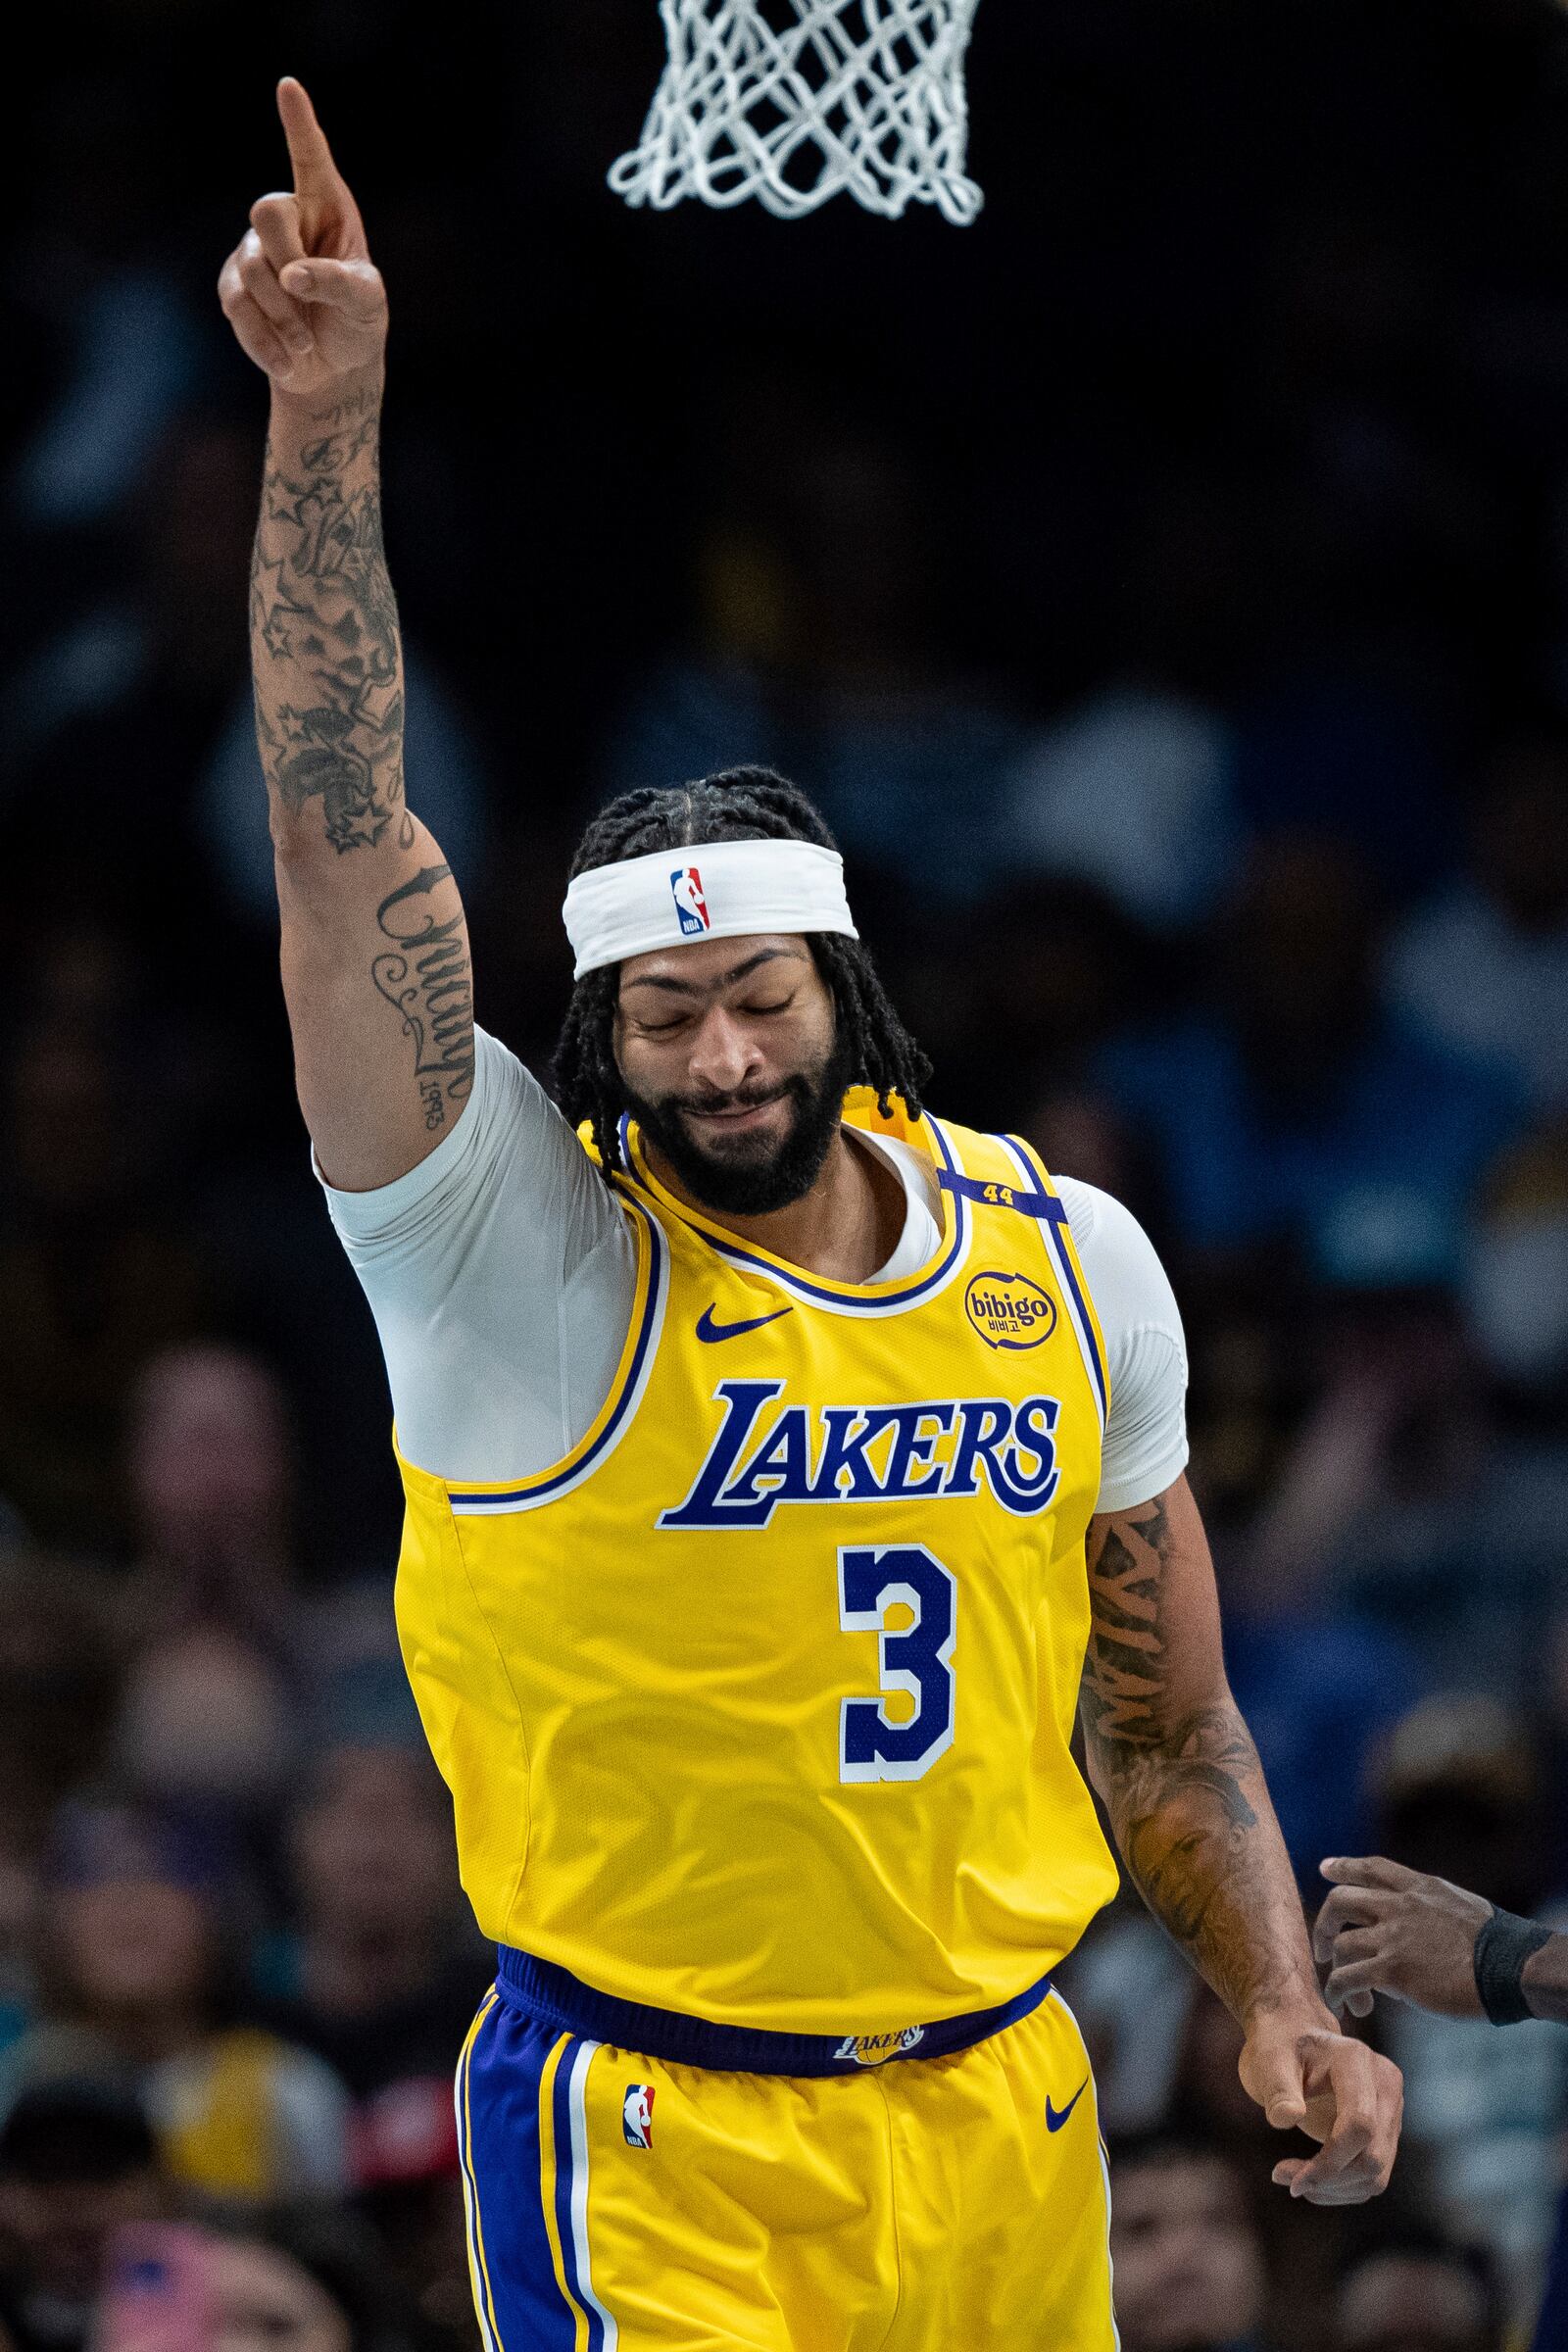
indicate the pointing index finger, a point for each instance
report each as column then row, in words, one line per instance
column 1367, row 1871
column 315, row 175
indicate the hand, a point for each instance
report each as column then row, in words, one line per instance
column 1385, row 1928
column 300, row 289
column 1339, row 2093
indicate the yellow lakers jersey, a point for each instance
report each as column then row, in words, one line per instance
column 757, row 1706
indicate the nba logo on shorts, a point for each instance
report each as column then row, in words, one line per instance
column 690, row 907
column 637, row 2114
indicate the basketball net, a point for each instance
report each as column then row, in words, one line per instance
column 791, row 100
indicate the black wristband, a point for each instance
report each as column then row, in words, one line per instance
column 1502, row 1948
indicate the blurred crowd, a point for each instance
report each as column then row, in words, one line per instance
column 1164, row 587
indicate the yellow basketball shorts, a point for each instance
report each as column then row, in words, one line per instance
column 619, row 2202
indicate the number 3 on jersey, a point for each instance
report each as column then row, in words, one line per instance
column 873, row 1581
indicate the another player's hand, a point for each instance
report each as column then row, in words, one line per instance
column 1336, row 2090
column 1385, row 1928
column 300, row 289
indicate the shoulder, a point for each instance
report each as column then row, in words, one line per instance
column 1127, row 1280
column 1146, row 1349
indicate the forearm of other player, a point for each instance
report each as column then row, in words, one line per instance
column 1386, row 1929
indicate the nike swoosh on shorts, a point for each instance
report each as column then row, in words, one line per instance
column 1055, row 2117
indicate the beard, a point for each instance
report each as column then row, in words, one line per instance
column 751, row 1175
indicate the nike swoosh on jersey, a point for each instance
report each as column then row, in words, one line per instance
column 709, row 1331
column 1055, row 2117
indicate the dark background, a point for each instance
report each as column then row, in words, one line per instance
column 1163, row 584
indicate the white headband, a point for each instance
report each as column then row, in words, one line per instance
column 709, row 890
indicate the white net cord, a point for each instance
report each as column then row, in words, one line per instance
column 791, row 100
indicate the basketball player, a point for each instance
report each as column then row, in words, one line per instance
column 754, row 1437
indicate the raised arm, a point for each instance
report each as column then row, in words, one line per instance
column 1176, row 1768
column 374, row 943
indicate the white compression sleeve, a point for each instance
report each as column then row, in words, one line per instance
column 1146, row 1352
column 500, row 1274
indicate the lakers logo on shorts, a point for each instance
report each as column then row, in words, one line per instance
column 875, row 2049
column 1009, row 1312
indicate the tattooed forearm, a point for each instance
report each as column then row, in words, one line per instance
column 1181, row 1783
column 426, row 974
column 1188, row 1826
column 326, row 655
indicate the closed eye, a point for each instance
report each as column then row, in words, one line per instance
column 682, row 1019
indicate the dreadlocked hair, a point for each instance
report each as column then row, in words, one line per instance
column 738, row 804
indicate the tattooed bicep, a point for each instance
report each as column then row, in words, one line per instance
column 1154, row 1629
column 1124, row 1669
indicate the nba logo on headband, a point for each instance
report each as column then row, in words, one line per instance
column 690, row 907
column 636, row 905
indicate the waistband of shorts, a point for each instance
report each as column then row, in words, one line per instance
column 558, row 1998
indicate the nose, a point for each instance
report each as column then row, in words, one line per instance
column 724, row 1053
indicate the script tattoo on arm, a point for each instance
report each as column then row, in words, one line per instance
column 1175, row 1763
column 325, row 656
column 426, row 974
